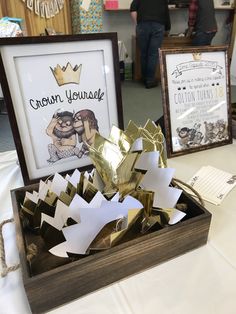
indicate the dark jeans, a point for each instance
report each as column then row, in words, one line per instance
column 150, row 36
column 202, row 38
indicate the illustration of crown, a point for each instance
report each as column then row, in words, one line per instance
column 67, row 74
column 197, row 56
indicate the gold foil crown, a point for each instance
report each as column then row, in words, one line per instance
column 67, row 74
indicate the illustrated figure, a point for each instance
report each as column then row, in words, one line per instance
column 197, row 139
column 210, row 132
column 190, row 137
column 222, row 130
column 184, row 136
column 62, row 132
column 86, row 126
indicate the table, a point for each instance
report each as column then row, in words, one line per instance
column 200, row 282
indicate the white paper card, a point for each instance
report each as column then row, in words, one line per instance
column 212, row 184
column 59, row 184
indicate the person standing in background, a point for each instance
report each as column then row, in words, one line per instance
column 152, row 19
column 202, row 22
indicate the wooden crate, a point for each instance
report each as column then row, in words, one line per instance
column 51, row 281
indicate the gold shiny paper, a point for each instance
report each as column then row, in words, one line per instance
column 146, row 198
column 133, row 215
column 152, row 137
column 103, row 239
column 128, row 179
column 115, row 163
column 132, row 131
column 115, row 171
column 65, row 198
column 89, row 191
column 32, row 211
column 113, row 160
column 70, row 190
column 120, row 139
column 50, row 198
column 106, row 157
column 149, row 222
column 80, row 185
column 28, row 206
column 165, row 214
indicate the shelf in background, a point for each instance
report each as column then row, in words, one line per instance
column 172, row 8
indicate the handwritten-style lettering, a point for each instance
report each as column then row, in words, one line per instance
column 75, row 95
column 45, row 101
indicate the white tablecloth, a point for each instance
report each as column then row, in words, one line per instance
column 200, row 282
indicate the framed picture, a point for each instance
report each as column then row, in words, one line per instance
column 196, row 98
column 60, row 91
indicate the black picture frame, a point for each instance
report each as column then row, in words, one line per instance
column 196, row 98
column 29, row 68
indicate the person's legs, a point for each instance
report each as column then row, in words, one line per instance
column 156, row 38
column 202, row 38
column 143, row 34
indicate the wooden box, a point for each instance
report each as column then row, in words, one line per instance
column 50, row 281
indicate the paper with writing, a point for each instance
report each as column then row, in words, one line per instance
column 212, row 184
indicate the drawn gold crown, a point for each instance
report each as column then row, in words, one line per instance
column 67, row 74
column 197, row 56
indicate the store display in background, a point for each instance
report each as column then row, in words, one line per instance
column 9, row 27
column 86, row 16
column 128, row 69
column 111, row 5
column 126, row 63
column 45, row 9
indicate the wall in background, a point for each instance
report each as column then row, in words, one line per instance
column 120, row 22
column 113, row 21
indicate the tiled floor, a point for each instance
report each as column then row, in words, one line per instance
column 139, row 104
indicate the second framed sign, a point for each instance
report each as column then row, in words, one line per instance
column 196, row 98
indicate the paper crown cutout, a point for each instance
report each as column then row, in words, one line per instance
column 67, row 74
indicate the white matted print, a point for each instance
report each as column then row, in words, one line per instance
column 62, row 93
column 196, row 99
